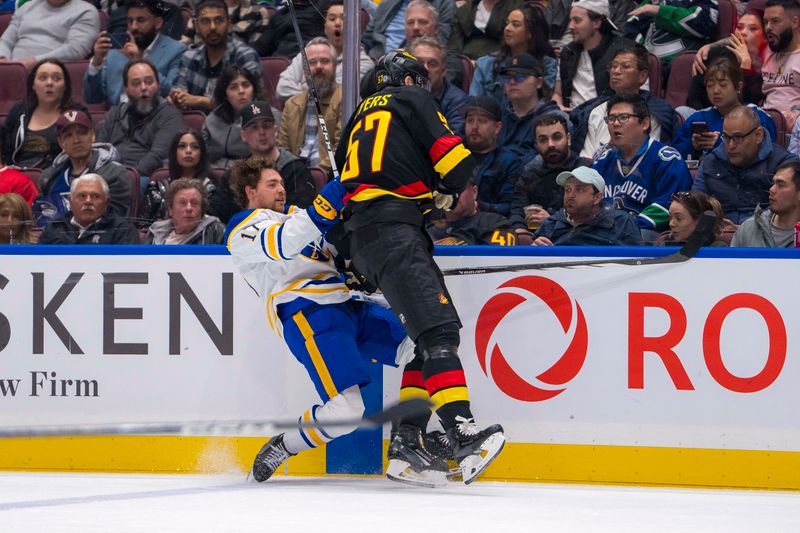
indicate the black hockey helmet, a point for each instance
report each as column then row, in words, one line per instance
column 393, row 68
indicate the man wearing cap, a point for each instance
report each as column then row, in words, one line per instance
column 142, row 128
column 641, row 173
column 585, row 220
column 584, row 62
column 103, row 79
column 670, row 27
column 259, row 132
column 81, row 155
column 528, row 97
column 536, row 193
column 497, row 166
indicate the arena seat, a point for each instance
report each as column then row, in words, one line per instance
column 271, row 68
column 728, row 17
column 781, row 133
column 5, row 20
column 680, row 79
column 12, row 85
column 467, row 71
column 194, row 118
column 320, row 177
column 35, row 174
column 656, row 84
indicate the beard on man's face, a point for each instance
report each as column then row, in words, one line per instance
column 783, row 42
column 146, row 105
column 143, row 40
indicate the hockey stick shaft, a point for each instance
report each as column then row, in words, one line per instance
column 312, row 90
column 215, row 427
column 703, row 230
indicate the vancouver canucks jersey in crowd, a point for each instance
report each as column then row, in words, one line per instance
column 646, row 183
column 285, row 260
column 679, row 25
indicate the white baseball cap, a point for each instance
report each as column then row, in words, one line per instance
column 586, row 175
column 596, row 6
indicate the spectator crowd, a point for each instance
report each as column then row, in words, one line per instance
column 592, row 122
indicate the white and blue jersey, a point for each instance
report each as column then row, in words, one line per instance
column 646, row 183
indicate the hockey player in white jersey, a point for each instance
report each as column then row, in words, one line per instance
column 286, row 261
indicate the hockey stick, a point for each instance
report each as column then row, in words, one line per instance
column 703, row 230
column 408, row 408
column 312, row 90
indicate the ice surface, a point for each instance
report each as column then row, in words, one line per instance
column 45, row 502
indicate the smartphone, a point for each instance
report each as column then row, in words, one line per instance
column 118, row 40
column 699, row 127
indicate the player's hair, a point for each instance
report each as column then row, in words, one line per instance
column 635, row 100
column 549, row 119
column 638, row 51
column 426, row 5
column 211, row 4
column 794, row 166
column 787, row 5
column 432, row 42
column 224, row 109
column 21, row 211
column 89, row 178
column 138, row 62
column 247, row 172
column 722, row 69
column 175, row 186
column 203, row 169
column 697, row 203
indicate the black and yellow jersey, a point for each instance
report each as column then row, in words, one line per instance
column 398, row 144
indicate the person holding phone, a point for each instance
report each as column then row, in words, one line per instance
column 143, row 40
column 700, row 132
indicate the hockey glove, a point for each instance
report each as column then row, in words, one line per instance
column 443, row 201
column 324, row 211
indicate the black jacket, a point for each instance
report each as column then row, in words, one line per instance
column 537, row 185
column 110, row 229
column 601, row 57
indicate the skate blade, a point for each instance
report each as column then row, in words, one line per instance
column 473, row 466
column 454, row 474
column 402, row 472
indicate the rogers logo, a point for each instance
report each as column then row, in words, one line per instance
column 562, row 371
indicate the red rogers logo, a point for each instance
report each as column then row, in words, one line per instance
column 567, row 366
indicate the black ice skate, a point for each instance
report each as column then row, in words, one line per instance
column 410, row 462
column 475, row 449
column 268, row 459
column 439, row 445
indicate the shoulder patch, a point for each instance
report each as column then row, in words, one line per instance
column 668, row 153
column 603, row 152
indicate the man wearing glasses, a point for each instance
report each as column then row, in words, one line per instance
column 739, row 171
column 641, row 173
column 200, row 67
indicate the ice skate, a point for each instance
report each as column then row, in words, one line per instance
column 269, row 458
column 439, row 445
column 475, row 449
column 410, row 462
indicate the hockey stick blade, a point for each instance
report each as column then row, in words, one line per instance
column 398, row 411
column 213, row 427
column 701, row 234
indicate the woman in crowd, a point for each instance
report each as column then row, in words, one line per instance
column 685, row 211
column 188, row 158
column 747, row 47
column 16, row 220
column 187, row 221
column 29, row 133
column 236, row 88
column 478, row 26
column 700, row 132
column 525, row 32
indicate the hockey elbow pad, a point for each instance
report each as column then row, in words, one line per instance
column 324, row 211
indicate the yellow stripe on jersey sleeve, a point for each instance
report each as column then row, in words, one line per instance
column 452, row 158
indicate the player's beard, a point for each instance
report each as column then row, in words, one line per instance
column 784, row 40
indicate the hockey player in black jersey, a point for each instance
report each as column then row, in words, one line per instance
column 398, row 158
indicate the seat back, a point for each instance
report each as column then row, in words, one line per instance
column 12, row 85
column 34, row 174
column 320, row 177
column 77, row 68
column 160, row 174
column 363, row 20
column 271, row 68
column 194, row 118
column 136, row 192
column 728, row 17
column 656, row 85
column 467, row 71
column 680, row 79
column 5, row 20
column 781, row 133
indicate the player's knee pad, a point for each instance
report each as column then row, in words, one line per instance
column 344, row 406
column 440, row 342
